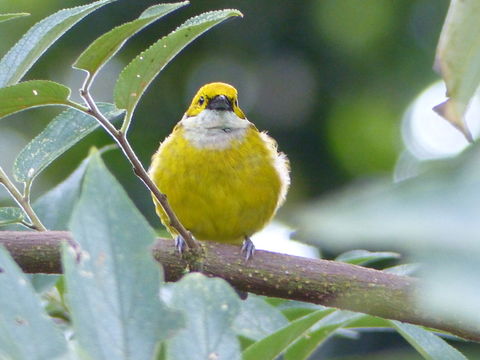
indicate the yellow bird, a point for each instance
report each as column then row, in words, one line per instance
column 223, row 178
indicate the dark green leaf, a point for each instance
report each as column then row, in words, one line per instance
column 210, row 307
column 55, row 207
column 429, row 345
column 363, row 257
column 113, row 290
column 368, row 321
column 26, row 332
column 6, row 17
column 296, row 313
column 107, row 45
column 137, row 76
column 293, row 309
column 61, row 134
column 276, row 301
column 30, row 94
column 10, row 215
column 21, row 57
column 161, row 352
column 258, row 319
column 306, row 345
column 273, row 345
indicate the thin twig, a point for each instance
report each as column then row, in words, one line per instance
column 23, row 201
column 28, row 225
column 138, row 168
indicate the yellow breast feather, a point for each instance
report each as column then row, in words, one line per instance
column 220, row 195
column 223, row 178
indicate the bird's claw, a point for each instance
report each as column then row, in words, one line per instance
column 180, row 244
column 248, row 249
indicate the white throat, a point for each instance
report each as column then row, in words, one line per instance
column 213, row 129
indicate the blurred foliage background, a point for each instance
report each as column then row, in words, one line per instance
column 328, row 79
column 331, row 81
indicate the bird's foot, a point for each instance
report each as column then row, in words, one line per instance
column 180, row 244
column 248, row 249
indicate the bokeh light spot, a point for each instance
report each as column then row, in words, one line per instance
column 277, row 237
column 427, row 135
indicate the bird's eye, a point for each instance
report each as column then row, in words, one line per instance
column 236, row 102
column 201, row 100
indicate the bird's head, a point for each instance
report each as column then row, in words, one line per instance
column 214, row 119
column 217, row 97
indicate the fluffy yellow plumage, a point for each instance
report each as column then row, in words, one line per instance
column 223, row 178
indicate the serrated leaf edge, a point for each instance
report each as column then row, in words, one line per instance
column 140, row 17
column 181, row 27
column 13, row 48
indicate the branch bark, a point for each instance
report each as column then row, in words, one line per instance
column 322, row 282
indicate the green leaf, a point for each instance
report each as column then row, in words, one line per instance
column 293, row 309
column 61, row 134
column 30, row 94
column 403, row 269
column 26, row 332
column 113, row 290
column 161, row 352
column 368, row 321
column 296, row 313
column 6, row 17
column 21, row 57
column 107, row 45
column 363, row 257
column 458, row 61
column 273, row 345
column 210, row 307
column 276, row 301
column 55, row 208
column 10, row 215
column 137, row 76
column 429, row 345
column 306, row 345
column 257, row 319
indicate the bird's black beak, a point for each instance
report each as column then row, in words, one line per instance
column 220, row 103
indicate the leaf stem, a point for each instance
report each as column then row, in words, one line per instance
column 23, row 201
column 126, row 123
column 28, row 225
column 120, row 137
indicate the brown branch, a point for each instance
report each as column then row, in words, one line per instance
column 322, row 282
